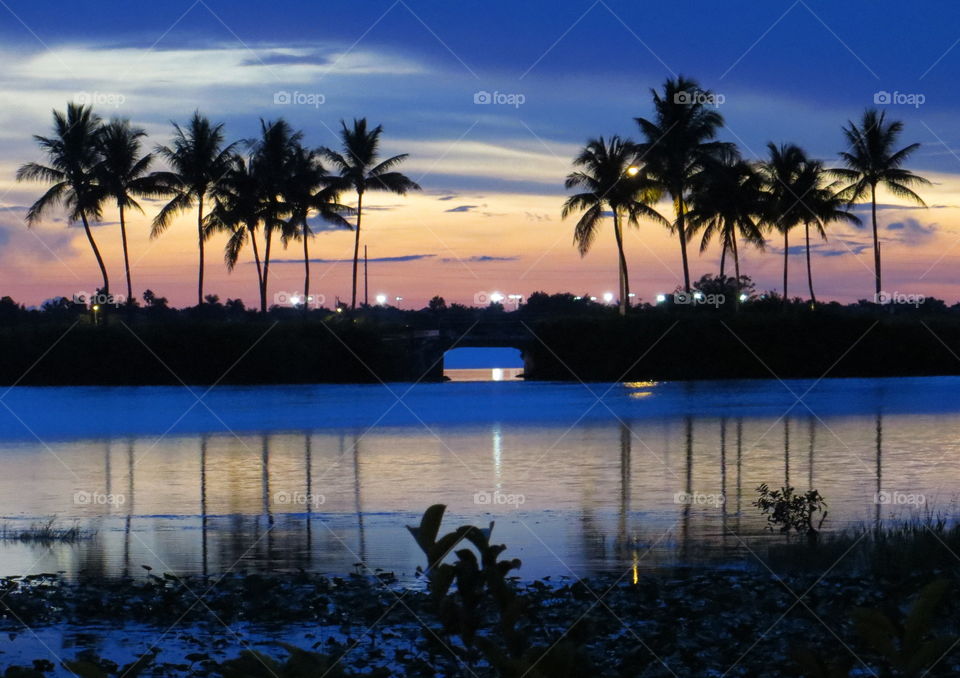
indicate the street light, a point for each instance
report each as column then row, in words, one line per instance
column 295, row 300
column 661, row 298
column 496, row 298
column 633, row 171
column 744, row 297
column 398, row 300
column 608, row 297
column 381, row 299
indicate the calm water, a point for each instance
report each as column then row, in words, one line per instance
column 578, row 479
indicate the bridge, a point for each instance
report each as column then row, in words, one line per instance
column 425, row 348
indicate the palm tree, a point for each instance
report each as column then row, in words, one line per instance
column 72, row 160
column 823, row 206
column 679, row 144
column 122, row 172
column 198, row 161
column 788, row 182
column 727, row 201
column 237, row 209
column 610, row 179
column 309, row 190
column 272, row 163
column 359, row 168
column 871, row 161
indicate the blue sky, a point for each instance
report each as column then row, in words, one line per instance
column 788, row 71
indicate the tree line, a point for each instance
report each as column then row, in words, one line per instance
column 255, row 190
column 715, row 193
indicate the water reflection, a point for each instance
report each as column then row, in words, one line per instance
column 597, row 496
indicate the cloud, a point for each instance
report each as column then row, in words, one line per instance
column 447, row 197
column 462, row 208
column 403, row 258
column 912, row 232
column 478, row 259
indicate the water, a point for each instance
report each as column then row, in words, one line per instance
column 579, row 479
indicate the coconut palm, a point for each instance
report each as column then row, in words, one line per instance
column 871, row 161
column 610, row 180
column 309, row 191
column 237, row 209
column 72, row 158
column 122, row 173
column 360, row 169
column 788, row 182
column 198, row 161
column 727, row 201
column 823, row 206
column 272, row 163
column 679, row 143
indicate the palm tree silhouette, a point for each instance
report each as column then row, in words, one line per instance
column 122, row 172
column 309, row 190
column 237, row 209
column 727, row 201
column 198, row 161
column 272, row 165
column 788, row 183
column 824, row 206
column 679, row 143
column 871, row 161
column 72, row 160
column 360, row 169
column 610, row 179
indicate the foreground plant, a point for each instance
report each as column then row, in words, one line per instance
column 786, row 510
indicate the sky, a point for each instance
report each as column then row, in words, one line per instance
column 488, row 217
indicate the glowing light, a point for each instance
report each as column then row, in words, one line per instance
column 294, row 300
column 661, row 298
column 497, row 374
column 381, row 299
column 608, row 297
column 743, row 297
column 633, row 170
column 96, row 307
column 496, row 297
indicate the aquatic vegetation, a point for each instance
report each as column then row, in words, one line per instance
column 787, row 510
column 45, row 533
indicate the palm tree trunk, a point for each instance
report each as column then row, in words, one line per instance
column 813, row 297
column 200, row 240
column 356, row 251
column 126, row 257
column 306, row 267
column 723, row 258
column 876, row 239
column 624, row 280
column 96, row 253
column 256, row 258
column 682, row 231
column 736, row 268
column 266, row 267
column 786, row 261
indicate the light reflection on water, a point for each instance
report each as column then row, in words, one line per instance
column 616, row 493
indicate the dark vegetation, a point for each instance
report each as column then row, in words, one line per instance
column 563, row 337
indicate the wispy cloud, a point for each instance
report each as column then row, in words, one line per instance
column 403, row 258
